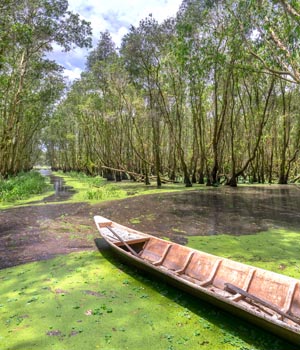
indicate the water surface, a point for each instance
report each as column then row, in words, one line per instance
column 243, row 210
column 62, row 191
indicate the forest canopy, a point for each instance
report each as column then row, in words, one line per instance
column 209, row 96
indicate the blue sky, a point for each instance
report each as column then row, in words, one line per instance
column 116, row 16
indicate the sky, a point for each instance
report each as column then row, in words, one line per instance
column 116, row 16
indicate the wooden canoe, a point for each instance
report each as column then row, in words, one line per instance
column 268, row 299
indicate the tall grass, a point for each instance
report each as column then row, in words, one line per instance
column 22, row 186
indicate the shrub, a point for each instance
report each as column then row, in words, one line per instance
column 22, row 186
column 105, row 192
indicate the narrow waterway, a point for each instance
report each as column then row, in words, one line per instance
column 62, row 191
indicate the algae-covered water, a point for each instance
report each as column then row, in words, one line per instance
column 92, row 301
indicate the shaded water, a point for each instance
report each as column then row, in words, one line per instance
column 243, row 210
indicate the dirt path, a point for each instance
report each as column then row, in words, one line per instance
column 39, row 232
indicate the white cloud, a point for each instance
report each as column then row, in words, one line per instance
column 117, row 37
column 116, row 16
column 73, row 73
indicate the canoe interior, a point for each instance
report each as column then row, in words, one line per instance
column 214, row 273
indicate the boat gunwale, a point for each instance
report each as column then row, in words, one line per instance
column 148, row 236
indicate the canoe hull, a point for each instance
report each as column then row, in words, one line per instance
column 182, row 267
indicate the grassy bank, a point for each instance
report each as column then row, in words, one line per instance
column 91, row 301
column 23, row 187
column 97, row 189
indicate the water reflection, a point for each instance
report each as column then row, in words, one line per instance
column 62, row 191
column 243, row 210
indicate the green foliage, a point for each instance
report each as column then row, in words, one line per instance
column 186, row 96
column 22, row 186
column 30, row 84
column 189, row 96
column 104, row 51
